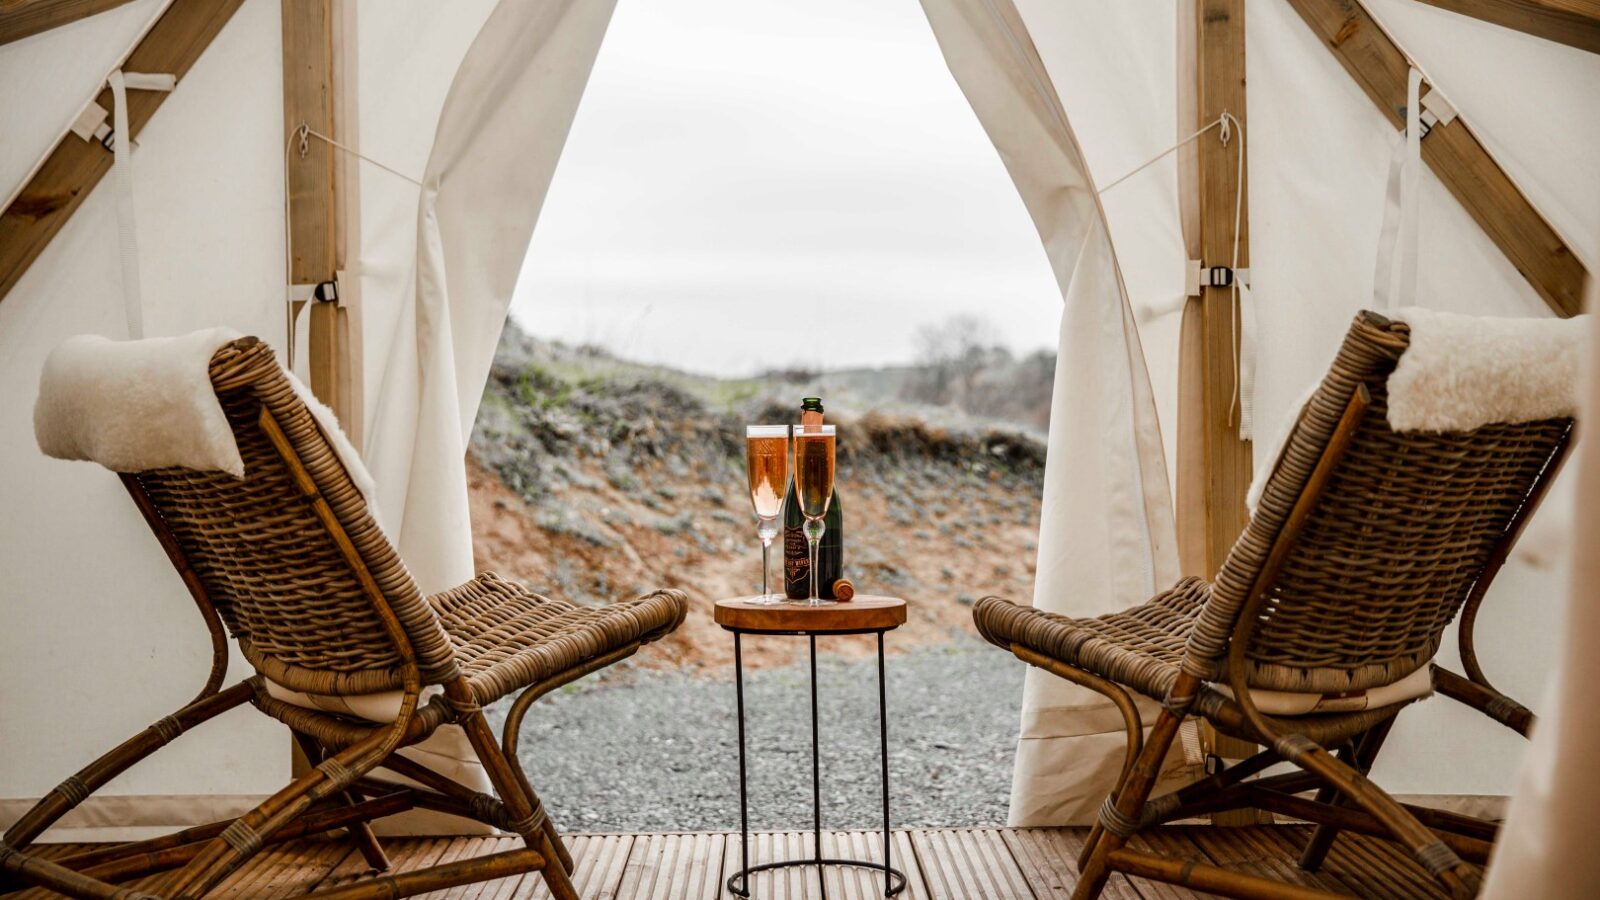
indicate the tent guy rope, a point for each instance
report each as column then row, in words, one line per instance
column 1242, row 314
column 299, row 140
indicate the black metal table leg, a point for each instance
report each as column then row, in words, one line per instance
column 816, row 770
column 883, row 743
column 744, row 805
column 738, row 883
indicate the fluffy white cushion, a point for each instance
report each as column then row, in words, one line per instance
column 132, row 406
column 136, row 405
column 1464, row 372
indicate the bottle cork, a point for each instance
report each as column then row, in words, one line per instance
column 843, row 589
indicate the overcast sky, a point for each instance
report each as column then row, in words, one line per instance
column 757, row 183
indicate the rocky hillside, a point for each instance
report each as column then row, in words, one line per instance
column 593, row 478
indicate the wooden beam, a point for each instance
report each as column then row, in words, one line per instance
column 1219, row 52
column 75, row 165
column 1575, row 23
column 308, row 101
column 25, row 18
column 1376, row 63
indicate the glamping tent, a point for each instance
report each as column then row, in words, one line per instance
column 1218, row 187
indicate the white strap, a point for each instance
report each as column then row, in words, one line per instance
column 122, row 174
column 1396, row 285
column 1247, row 356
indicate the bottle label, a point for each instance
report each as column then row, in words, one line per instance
column 796, row 557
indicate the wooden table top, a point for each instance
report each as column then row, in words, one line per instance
column 865, row 612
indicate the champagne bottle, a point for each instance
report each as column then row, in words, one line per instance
column 796, row 552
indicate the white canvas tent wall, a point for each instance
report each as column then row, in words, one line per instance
column 76, row 553
column 209, row 198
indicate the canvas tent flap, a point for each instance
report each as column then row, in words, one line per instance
column 499, row 137
column 1106, row 539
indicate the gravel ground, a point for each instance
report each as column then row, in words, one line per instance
column 659, row 751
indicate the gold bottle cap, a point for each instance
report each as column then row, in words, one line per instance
column 843, row 589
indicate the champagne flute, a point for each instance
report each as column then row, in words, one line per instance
column 767, row 459
column 813, row 486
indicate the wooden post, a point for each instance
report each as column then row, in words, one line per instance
column 315, row 233
column 1214, row 464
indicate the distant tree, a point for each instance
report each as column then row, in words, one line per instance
column 953, row 355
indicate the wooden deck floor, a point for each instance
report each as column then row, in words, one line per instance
column 941, row 864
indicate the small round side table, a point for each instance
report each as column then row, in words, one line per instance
column 866, row 614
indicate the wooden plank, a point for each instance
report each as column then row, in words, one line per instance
column 25, row 18
column 969, row 864
column 1172, row 842
column 1575, row 23
column 75, row 166
column 1261, row 851
column 673, row 867
column 1454, row 153
column 405, row 855
column 1048, row 858
column 458, row 849
column 500, row 888
column 1378, row 868
column 905, row 859
column 853, row 883
column 309, row 101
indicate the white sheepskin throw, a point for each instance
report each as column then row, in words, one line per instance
column 1464, row 372
column 136, row 405
column 346, row 451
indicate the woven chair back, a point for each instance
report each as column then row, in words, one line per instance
column 1400, row 535
column 277, row 575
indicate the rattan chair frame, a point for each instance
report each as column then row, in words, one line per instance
column 337, row 790
column 1332, row 753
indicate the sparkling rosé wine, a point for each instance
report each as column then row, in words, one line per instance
column 813, row 472
column 767, row 459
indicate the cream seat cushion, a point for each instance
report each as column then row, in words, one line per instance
column 447, row 752
column 1295, row 703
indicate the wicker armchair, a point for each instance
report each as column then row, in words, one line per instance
column 291, row 562
column 1365, row 545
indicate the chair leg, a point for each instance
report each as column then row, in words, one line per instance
column 244, row 838
column 1128, row 805
column 360, row 832
column 508, row 748
column 1365, row 753
column 528, row 816
column 1458, row 879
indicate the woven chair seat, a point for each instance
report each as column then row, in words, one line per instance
column 1140, row 647
column 508, row 637
column 1143, row 649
